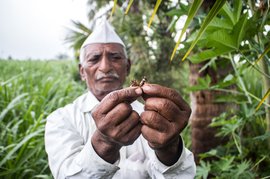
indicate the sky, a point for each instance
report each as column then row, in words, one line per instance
column 36, row 28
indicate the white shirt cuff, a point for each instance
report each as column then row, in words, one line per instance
column 91, row 162
column 164, row 168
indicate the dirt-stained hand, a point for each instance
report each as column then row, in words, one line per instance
column 117, row 124
column 166, row 115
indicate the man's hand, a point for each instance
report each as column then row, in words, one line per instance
column 117, row 124
column 166, row 115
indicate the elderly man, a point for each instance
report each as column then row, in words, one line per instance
column 107, row 133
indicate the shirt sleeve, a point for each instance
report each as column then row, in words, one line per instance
column 69, row 155
column 184, row 168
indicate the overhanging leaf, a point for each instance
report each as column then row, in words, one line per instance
column 178, row 12
column 263, row 99
column 114, row 7
column 77, row 35
column 208, row 54
column 240, row 29
column 129, row 5
column 175, row 12
column 154, row 13
column 223, row 39
column 264, row 53
column 227, row 13
column 218, row 23
column 237, row 4
column 80, row 27
column 213, row 12
column 193, row 10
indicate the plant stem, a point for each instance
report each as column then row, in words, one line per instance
column 238, row 145
column 266, row 87
column 242, row 84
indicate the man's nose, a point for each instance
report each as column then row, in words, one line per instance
column 105, row 64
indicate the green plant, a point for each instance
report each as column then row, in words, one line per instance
column 29, row 91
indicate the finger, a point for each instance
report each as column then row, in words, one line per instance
column 132, row 135
column 164, row 107
column 124, row 95
column 118, row 114
column 153, row 90
column 156, row 139
column 129, row 123
column 155, row 121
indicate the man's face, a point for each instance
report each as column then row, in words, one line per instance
column 104, row 68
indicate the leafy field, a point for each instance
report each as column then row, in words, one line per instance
column 29, row 92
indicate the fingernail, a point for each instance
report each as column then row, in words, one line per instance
column 138, row 91
column 146, row 87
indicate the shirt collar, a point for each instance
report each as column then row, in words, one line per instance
column 89, row 103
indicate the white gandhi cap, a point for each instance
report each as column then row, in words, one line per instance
column 103, row 33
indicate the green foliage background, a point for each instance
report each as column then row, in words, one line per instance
column 29, row 92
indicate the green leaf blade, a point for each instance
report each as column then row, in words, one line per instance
column 240, row 29
column 129, row 5
column 213, row 12
column 193, row 10
column 208, row 54
column 154, row 12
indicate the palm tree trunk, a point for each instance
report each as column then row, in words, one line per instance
column 204, row 109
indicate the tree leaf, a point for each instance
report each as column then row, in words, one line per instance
column 114, row 7
column 264, row 53
column 213, row 12
column 240, row 29
column 129, row 5
column 81, row 27
column 154, row 13
column 208, row 54
column 218, row 23
column 237, row 4
column 227, row 13
column 263, row 99
column 175, row 12
column 222, row 38
column 203, row 84
column 193, row 10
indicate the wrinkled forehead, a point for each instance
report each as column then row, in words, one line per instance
column 107, row 47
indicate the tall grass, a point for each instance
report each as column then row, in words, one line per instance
column 29, row 92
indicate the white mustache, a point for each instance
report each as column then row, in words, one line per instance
column 111, row 74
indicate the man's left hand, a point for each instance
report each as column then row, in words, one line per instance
column 166, row 115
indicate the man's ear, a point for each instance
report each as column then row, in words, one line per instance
column 81, row 70
column 128, row 66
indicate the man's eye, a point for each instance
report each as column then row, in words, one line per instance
column 93, row 59
column 116, row 57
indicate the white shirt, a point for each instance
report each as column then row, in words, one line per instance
column 71, row 155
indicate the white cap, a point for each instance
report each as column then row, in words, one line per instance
column 103, row 33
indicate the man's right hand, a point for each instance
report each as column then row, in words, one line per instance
column 117, row 124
